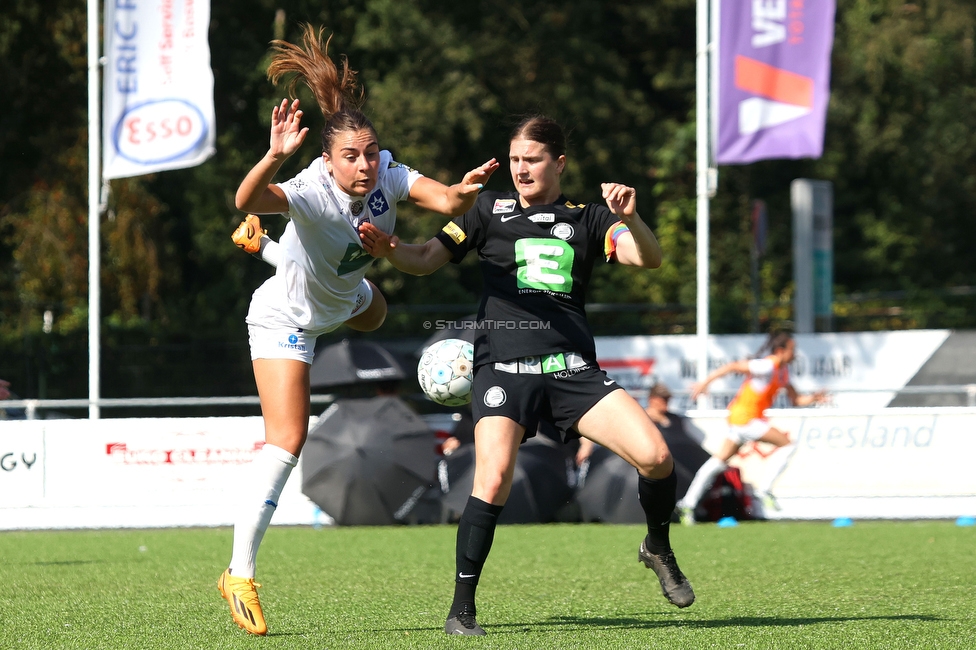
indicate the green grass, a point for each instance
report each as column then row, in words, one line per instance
column 759, row 585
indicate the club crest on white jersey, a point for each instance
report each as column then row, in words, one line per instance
column 377, row 203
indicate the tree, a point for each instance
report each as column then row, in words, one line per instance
column 445, row 84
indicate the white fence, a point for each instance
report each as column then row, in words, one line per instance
column 858, row 459
column 136, row 473
column 893, row 463
column 160, row 472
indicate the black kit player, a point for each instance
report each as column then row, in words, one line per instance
column 535, row 357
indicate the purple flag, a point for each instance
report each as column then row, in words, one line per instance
column 773, row 79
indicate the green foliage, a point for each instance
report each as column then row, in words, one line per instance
column 901, row 144
column 445, row 83
column 759, row 585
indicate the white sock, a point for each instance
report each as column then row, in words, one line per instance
column 776, row 463
column 702, row 481
column 270, row 251
column 267, row 475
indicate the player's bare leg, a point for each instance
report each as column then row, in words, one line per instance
column 283, row 386
column 619, row 423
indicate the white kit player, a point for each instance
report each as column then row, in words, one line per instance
column 320, row 279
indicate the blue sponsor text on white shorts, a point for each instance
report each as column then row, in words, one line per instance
column 278, row 342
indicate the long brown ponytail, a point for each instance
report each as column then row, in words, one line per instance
column 337, row 92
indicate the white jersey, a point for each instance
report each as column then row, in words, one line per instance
column 316, row 285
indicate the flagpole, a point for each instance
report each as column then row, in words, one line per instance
column 94, row 187
column 701, row 185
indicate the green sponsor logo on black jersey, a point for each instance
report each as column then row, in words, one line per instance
column 544, row 264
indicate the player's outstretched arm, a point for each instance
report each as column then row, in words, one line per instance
column 415, row 259
column 256, row 194
column 741, row 367
column 639, row 247
column 456, row 199
column 797, row 399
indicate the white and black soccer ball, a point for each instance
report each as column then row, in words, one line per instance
column 446, row 370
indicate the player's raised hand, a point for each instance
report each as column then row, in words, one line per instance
column 475, row 179
column 287, row 133
column 621, row 199
column 376, row 242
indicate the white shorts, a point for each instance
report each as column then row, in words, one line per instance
column 278, row 342
column 748, row 432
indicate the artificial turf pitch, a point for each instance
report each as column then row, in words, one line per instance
column 759, row 585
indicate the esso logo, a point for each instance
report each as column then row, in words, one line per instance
column 158, row 131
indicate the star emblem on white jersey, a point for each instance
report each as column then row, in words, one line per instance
column 378, row 204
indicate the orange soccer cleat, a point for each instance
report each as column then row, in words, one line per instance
column 242, row 595
column 248, row 235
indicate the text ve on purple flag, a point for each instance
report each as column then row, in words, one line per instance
column 773, row 79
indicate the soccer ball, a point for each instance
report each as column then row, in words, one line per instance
column 446, row 370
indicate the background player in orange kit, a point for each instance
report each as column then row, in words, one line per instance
column 765, row 377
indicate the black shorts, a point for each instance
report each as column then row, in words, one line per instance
column 522, row 393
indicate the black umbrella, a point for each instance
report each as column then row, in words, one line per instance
column 368, row 461
column 354, row 361
column 608, row 489
column 608, row 485
column 688, row 455
column 540, row 486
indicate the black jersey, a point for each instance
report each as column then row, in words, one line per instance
column 536, row 263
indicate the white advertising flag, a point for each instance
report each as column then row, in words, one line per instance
column 158, row 86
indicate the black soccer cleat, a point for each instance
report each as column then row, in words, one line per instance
column 463, row 623
column 674, row 584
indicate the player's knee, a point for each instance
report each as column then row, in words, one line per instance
column 655, row 462
column 290, row 441
column 489, row 488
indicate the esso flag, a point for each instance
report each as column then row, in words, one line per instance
column 773, row 78
column 158, row 86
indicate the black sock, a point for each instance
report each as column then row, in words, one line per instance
column 476, row 530
column 657, row 498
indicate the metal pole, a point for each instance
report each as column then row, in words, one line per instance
column 94, row 186
column 701, row 173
